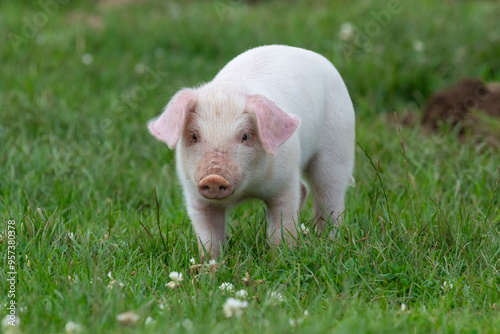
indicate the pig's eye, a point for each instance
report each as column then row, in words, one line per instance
column 193, row 137
column 245, row 137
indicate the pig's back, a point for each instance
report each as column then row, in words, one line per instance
column 301, row 82
column 278, row 68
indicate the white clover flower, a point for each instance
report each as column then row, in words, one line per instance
column 175, row 276
column 72, row 328
column 71, row 235
column 171, row 285
column 176, row 280
column 192, row 260
column 187, row 324
column 275, row 297
column 161, row 306
column 127, row 318
column 403, row 307
column 241, row 294
column 87, row 59
column 212, row 262
column 298, row 321
column 114, row 282
column 234, row 307
column 140, row 68
column 10, row 324
column 226, row 287
column 304, row 229
column 10, row 321
column 446, row 286
column 418, row 46
column 149, row 321
column 295, row 322
column 347, row 30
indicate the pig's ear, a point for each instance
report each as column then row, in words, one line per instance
column 168, row 126
column 275, row 125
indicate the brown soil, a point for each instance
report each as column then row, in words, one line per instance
column 454, row 105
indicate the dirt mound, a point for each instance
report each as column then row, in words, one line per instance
column 456, row 104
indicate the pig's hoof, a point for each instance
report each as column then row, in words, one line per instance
column 215, row 187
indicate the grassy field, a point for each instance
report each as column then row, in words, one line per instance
column 420, row 248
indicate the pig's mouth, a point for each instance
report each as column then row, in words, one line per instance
column 216, row 187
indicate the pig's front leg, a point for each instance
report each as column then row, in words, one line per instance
column 282, row 216
column 209, row 225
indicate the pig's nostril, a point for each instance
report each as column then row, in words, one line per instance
column 215, row 187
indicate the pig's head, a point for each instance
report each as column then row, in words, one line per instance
column 224, row 135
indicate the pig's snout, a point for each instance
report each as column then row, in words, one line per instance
column 215, row 187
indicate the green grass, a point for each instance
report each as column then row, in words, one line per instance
column 76, row 157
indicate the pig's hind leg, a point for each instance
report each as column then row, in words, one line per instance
column 328, row 178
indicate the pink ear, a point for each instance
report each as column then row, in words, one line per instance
column 275, row 125
column 168, row 127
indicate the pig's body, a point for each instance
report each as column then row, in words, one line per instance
column 270, row 115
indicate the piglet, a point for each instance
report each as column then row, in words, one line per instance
column 272, row 115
